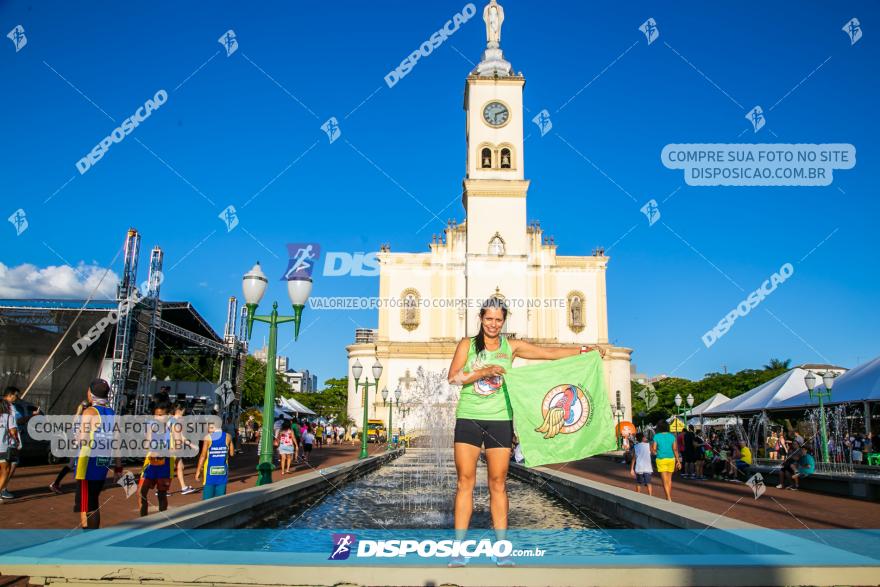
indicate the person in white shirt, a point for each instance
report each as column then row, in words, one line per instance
column 9, row 441
column 641, row 467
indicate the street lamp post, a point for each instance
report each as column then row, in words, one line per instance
column 395, row 398
column 678, row 404
column 690, row 402
column 617, row 408
column 357, row 370
column 254, row 286
column 828, row 381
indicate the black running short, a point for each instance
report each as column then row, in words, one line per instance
column 491, row 433
column 88, row 495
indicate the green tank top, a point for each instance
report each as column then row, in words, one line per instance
column 486, row 398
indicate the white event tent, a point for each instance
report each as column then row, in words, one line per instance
column 859, row 384
column 766, row 396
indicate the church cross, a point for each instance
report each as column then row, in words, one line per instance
column 407, row 380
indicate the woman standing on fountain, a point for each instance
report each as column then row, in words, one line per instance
column 484, row 415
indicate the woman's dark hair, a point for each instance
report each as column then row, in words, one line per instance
column 639, row 436
column 662, row 426
column 479, row 340
column 285, row 425
column 179, row 406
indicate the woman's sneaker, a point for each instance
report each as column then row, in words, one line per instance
column 187, row 489
column 503, row 561
column 6, row 495
column 55, row 489
column 458, row 561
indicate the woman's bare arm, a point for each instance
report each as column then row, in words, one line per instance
column 527, row 350
column 457, row 374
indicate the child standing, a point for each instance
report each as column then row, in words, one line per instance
column 308, row 439
column 286, row 443
column 641, row 467
column 157, row 469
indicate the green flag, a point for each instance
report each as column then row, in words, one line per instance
column 561, row 411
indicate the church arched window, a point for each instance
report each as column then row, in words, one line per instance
column 486, row 158
column 505, row 158
column 496, row 245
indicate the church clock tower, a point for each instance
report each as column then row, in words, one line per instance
column 494, row 194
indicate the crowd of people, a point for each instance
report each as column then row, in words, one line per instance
column 712, row 455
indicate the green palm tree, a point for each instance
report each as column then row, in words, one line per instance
column 776, row 364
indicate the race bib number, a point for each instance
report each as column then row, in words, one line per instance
column 157, row 461
column 102, row 462
column 218, row 470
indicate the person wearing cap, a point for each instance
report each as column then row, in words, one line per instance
column 91, row 471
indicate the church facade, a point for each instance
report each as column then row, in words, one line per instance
column 553, row 300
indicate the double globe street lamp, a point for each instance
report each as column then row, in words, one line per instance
column 395, row 399
column 357, row 370
column 254, row 286
column 678, row 402
column 820, row 394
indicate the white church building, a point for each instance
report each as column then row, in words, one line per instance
column 553, row 300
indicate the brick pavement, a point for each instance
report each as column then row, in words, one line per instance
column 777, row 508
column 36, row 507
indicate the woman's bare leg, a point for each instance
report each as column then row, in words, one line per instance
column 498, row 461
column 466, row 456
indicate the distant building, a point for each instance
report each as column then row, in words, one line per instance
column 301, row 381
column 280, row 361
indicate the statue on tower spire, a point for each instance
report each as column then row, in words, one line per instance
column 493, row 15
column 493, row 63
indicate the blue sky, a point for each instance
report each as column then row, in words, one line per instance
column 249, row 124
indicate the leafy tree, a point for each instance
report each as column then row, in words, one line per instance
column 330, row 402
column 254, row 387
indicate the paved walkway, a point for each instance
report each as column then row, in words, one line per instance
column 35, row 506
column 777, row 508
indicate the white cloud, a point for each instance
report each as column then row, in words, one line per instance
column 57, row 282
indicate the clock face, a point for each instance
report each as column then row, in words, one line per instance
column 495, row 114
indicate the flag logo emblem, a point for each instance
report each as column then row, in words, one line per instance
column 565, row 409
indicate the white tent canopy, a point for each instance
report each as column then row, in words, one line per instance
column 712, row 402
column 728, row 421
column 859, row 384
column 766, row 396
column 294, row 406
